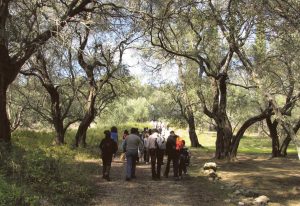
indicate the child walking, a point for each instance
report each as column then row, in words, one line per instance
column 184, row 159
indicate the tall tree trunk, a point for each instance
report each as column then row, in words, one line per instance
column 240, row 133
column 187, row 112
column 57, row 119
column 284, row 146
column 224, row 137
column 87, row 120
column 5, row 133
column 224, row 129
column 192, row 131
column 7, row 75
column 287, row 140
column 272, row 126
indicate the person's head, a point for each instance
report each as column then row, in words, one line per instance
column 150, row 131
column 172, row 133
column 126, row 132
column 107, row 133
column 114, row 129
column 134, row 131
column 155, row 130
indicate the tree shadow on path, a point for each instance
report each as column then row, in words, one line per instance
column 195, row 190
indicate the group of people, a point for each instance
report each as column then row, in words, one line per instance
column 152, row 145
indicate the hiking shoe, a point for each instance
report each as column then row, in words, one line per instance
column 133, row 177
column 127, row 179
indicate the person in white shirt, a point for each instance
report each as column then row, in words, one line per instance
column 154, row 144
column 146, row 146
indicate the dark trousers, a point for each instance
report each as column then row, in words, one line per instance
column 182, row 166
column 174, row 158
column 106, row 161
column 156, row 161
column 146, row 155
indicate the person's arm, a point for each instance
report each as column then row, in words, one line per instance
column 101, row 145
column 115, row 147
column 124, row 145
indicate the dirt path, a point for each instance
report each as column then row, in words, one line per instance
column 278, row 179
column 192, row 190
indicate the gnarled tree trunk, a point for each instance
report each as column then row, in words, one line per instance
column 56, row 114
column 5, row 133
column 88, row 118
column 10, row 66
column 272, row 126
column 7, row 75
column 192, row 131
column 224, row 137
column 238, row 136
column 224, row 128
column 285, row 144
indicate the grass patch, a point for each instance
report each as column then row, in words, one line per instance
column 34, row 172
column 250, row 143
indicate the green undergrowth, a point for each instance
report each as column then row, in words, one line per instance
column 249, row 144
column 33, row 171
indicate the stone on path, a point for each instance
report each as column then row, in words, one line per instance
column 210, row 165
column 261, row 200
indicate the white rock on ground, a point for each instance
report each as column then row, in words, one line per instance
column 210, row 165
column 261, row 200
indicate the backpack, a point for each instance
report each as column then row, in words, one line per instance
column 185, row 156
column 179, row 143
column 161, row 143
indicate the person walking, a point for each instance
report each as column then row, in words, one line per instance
column 161, row 143
column 108, row 147
column 146, row 146
column 184, row 159
column 114, row 133
column 132, row 143
column 173, row 155
column 154, row 154
column 125, row 134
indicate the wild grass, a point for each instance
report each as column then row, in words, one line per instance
column 35, row 172
column 250, row 143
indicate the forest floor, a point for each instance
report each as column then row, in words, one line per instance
column 279, row 179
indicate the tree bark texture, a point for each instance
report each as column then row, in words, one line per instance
column 272, row 126
column 6, row 76
column 224, row 128
column 56, row 115
column 285, row 144
column 10, row 66
column 88, row 118
column 192, row 131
